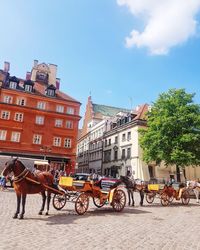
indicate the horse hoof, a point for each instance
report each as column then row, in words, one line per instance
column 15, row 216
column 46, row 213
column 40, row 213
column 133, row 205
column 141, row 204
column 21, row 217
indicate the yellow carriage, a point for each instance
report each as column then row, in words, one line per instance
column 80, row 193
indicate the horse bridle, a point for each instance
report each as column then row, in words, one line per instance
column 21, row 176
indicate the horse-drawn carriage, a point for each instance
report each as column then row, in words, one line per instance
column 167, row 193
column 26, row 182
column 80, row 193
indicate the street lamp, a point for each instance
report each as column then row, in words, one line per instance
column 45, row 149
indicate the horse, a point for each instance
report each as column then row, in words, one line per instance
column 196, row 188
column 133, row 186
column 25, row 182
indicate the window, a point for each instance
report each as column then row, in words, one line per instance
column 21, row 101
column 28, row 88
column 15, row 137
column 107, row 156
column 57, row 141
column 37, row 139
column 3, row 135
column 18, row 117
column 5, row 115
column 123, row 137
column 67, row 143
column 70, row 110
column 58, row 123
column 128, row 153
column 123, row 154
column 109, row 142
column 60, row 108
column 129, row 136
column 69, row 124
column 50, row 92
column 115, row 155
column 41, row 105
column 116, row 139
column 13, row 85
column 39, row 120
column 7, row 99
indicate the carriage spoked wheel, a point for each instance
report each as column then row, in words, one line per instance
column 185, row 197
column 150, row 197
column 97, row 202
column 82, row 203
column 119, row 200
column 59, row 201
column 164, row 199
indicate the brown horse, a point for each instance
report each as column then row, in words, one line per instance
column 26, row 182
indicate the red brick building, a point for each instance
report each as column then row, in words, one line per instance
column 37, row 120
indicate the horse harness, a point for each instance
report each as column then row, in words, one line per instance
column 21, row 176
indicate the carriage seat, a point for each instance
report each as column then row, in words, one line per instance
column 106, row 184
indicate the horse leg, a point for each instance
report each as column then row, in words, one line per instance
column 129, row 197
column 141, row 197
column 132, row 196
column 196, row 192
column 48, row 202
column 18, row 206
column 43, row 202
column 23, row 206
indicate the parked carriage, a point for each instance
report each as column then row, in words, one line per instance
column 80, row 193
column 167, row 194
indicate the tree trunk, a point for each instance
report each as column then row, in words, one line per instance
column 178, row 176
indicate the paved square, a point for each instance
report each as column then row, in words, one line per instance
column 148, row 227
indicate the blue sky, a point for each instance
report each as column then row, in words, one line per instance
column 123, row 52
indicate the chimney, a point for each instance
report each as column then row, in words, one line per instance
column 35, row 63
column 6, row 66
column 58, row 83
column 28, row 75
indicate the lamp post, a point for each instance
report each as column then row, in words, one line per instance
column 45, row 149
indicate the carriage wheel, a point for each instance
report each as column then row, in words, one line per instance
column 150, row 197
column 164, row 199
column 97, row 202
column 59, row 201
column 119, row 200
column 82, row 203
column 171, row 199
column 185, row 197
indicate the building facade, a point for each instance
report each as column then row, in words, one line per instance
column 90, row 142
column 37, row 120
column 111, row 147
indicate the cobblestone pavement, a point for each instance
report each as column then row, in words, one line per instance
column 148, row 227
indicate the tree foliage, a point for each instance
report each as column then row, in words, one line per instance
column 173, row 130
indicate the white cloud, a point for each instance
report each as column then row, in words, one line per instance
column 167, row 23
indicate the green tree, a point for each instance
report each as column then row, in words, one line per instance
column 173, row 131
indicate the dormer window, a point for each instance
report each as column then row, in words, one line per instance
column 28, row 88
column 13, row 82
column 13, row 85
column 51, row 90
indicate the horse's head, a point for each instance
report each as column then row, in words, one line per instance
column 9, row 167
